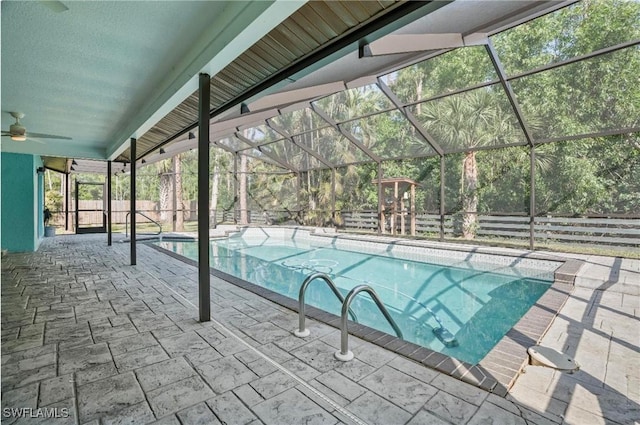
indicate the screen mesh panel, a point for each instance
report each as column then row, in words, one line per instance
column 455, row 70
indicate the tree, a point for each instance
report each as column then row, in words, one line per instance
column 467, row 122
column 165, row 173
column 592, row 175
column 177, row 175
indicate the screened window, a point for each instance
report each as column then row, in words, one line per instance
column 470, row 120
column 572, row 31
column 233, row 143
column 288, row 152
column 330, row 144
column 355, row 103
column 584, row 97
column 261, row 134
column 455, row 70
column 389, row 135
column 298, row 122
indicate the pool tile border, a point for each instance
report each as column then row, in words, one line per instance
column 495, row 373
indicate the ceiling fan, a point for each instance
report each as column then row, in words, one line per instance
column 18, row 132
column 54, row 5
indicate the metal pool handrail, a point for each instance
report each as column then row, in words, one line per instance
column 302, row 331
column 441, row 332
column 126, row 225
column 344, row 354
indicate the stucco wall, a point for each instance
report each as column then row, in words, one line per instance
column 22, row 202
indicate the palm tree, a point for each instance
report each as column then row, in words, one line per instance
column 168, row 170
column 177, row 175
column 469, row 121
column 165, row 173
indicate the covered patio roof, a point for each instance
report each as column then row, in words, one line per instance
column 102, row 72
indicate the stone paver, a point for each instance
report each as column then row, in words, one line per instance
column 164, row 373
column 139, row 358
column 450, row 408
column 136, row 414
column 292, row 407
column 598, row 327
column 248, row 395
column 273, row 384
column 108, row 396
column 178, row 395
column 265, row 333
column 120, row 346
column 226, row 374
column 376, row 410
column 200, row 414
column 56, row 389
column 184, row 343
column 84, row 331
column 230, row 409
column 26, row 396
column 341, row 385
column 424, row 417
column 318, row 355
column 402, row 390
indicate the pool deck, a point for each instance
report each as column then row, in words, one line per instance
column 113, row 343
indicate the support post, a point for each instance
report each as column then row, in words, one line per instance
column 442, row 198
column 333, row 197
column 77, row 208
column 413, row 209
column 298, row 189
column 108, row 203
column 67, row 191
column 204, row 278
column 532, row 196
column 132, row 203
column 402, row 218
column 380, row 201
column 236, row 194
column 394, row 209
column 174, row 205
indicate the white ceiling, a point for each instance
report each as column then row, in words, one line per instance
column 104, row 71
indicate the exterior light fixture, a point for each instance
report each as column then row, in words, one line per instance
column 191, row 135
column 161, row 151
column 244, row 109
column 39, row 169
column 74, row 162
column 18, row 137
column 144, row 161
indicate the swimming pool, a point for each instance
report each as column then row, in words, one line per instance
column 476, row 301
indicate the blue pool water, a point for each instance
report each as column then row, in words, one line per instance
column 477, row 306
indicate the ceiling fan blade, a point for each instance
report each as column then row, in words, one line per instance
column 7, row 134
column 33, row 139
column 55, row 6
column 47, row 136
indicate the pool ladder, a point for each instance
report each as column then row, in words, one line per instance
column 344, row 354
column 302, row 331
